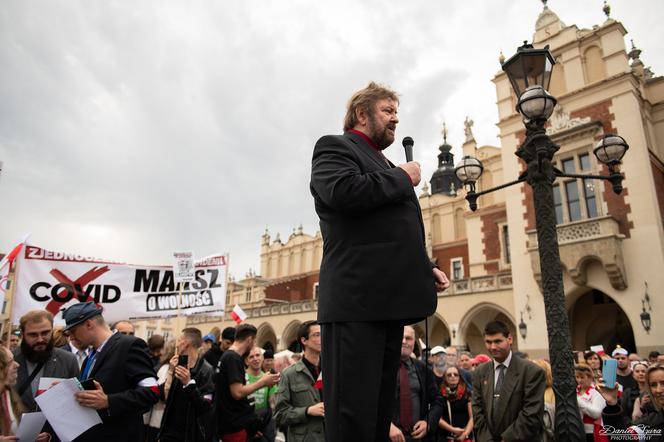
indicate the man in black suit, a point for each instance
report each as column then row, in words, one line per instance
column 125, row 381
column 375, row 274
column 508, row 392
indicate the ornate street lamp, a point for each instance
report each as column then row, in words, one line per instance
column 645, row 319
column 529, row 72
column 523, row 328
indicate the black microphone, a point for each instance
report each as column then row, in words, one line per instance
column 408, row 147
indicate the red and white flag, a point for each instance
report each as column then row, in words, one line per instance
column 238, row 314
column 11, row 256
column 318, row 385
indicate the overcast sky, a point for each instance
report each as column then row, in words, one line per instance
column 132, row 129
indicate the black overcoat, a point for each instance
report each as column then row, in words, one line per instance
column 375, row 266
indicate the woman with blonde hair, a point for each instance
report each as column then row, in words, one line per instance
column 549, row 416
column 650, row 426
column 590, row 402
column 11, row 408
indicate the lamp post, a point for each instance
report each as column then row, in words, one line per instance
column 529, row 72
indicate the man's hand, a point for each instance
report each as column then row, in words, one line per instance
column 96, row 399
column 316, row 410
column 419, row 430
column 43, row 437
column 182, row 374
column 395, row 434
column 412, row 168
column 442, row 282
column 270, row 379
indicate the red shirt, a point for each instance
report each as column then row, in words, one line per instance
column 373, row 145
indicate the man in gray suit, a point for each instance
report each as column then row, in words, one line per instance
column 38, row 358
column 508, row 392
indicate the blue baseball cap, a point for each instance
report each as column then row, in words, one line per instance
column 79, row 313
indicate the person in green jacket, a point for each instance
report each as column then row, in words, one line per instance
column 299, row 408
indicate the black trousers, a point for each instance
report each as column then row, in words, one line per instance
column 359, row 365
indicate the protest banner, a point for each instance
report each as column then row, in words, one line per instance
column 55, row 280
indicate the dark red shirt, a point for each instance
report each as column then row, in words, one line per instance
column 374, row 146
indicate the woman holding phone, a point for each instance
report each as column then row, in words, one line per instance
column 650, row 426
column 11, row 408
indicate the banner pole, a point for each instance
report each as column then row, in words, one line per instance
column 11, row 280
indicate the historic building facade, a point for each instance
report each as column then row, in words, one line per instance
column 611, row 246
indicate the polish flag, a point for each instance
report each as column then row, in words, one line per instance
column 318, row 385
column 11, row 256
column 238, row 314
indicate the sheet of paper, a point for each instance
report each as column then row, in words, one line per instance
column 68, row 419
column 30, row 426
column 45, row 384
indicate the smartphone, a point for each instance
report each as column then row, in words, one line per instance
column 609, row 367
column 183, row 360
column 88, row 384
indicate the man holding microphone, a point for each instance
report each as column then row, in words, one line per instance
column 375, row 274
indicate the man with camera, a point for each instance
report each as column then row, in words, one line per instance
column 188, row 393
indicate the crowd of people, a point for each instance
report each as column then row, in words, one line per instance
column 222, row 387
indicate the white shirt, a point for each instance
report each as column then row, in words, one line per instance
column 506, row 363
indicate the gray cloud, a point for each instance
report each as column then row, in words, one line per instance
column 132, row 129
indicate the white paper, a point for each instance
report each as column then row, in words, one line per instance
column 68, row 419
column 30, row 426
column 45, row 384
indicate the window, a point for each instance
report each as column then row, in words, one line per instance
column 315, row 290
column 575, row 199
column 457, row 268
column 150, row 332
column 247, row 295
column 558, row 204
column 507, row 257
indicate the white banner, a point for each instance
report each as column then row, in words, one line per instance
column 55, row 280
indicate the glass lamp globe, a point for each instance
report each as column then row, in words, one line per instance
column 469, row 169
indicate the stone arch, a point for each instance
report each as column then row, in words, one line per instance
column 596, row 318
column 594, row 64
column 266, row 337
column 288, row 339
column 439, row 332
column 472, row 325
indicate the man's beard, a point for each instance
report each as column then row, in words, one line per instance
column 382, row 138
column 37, row 356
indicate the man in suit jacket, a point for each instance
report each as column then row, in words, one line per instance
column 419, row 404
column 38, row 354
column 125, row 381
column 375, row 274
column 508, row 392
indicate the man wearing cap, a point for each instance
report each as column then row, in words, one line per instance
column 438, row 365
column 213, row 355
column 625, row 377
column 123, row 374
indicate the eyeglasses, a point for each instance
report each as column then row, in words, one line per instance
column 449, row 375
column 314, row 335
